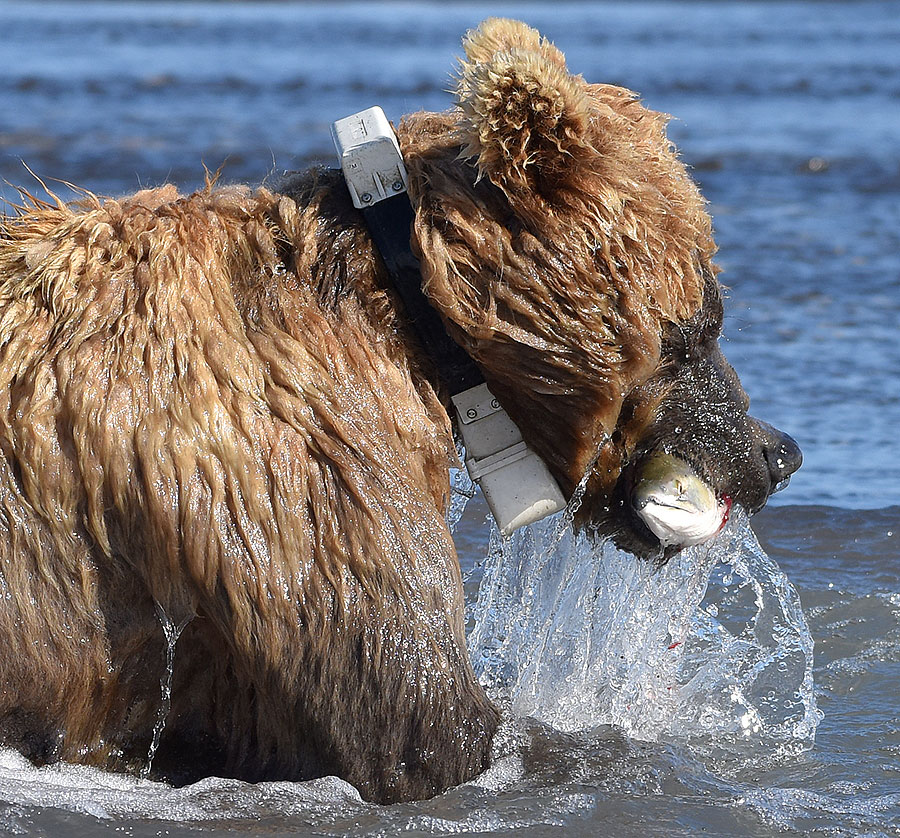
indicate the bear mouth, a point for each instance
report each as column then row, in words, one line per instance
column 671, row 501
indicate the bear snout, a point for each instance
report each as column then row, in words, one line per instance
column 781, row 453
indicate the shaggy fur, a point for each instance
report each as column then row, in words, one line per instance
column 213, row 416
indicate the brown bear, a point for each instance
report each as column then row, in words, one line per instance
column 214, row 416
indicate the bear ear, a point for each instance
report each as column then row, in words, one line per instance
column 525, row 119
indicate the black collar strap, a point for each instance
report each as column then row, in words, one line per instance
column 390, row 222
column 376, row 177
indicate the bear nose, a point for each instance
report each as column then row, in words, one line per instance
column 782, row 455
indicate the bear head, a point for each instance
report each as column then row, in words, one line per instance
column 570, row 253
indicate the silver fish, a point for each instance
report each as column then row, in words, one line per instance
column 677, row 506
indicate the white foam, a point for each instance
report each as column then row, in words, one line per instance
column 101, row 794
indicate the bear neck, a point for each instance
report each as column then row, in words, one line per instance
column 329, row 249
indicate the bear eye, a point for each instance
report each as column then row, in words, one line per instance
column 712, row 328
column 688, row 342
column 682, row 343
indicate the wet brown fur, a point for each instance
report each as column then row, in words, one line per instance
column 212, row 413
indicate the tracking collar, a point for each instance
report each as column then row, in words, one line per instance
column 516, row 483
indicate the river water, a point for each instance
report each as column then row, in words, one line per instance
column 761, row 704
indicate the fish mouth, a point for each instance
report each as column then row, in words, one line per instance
column 675, row 504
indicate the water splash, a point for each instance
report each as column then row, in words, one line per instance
column 578, row 634
column 172, row 632
column 750, row 660
column 462, row 490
